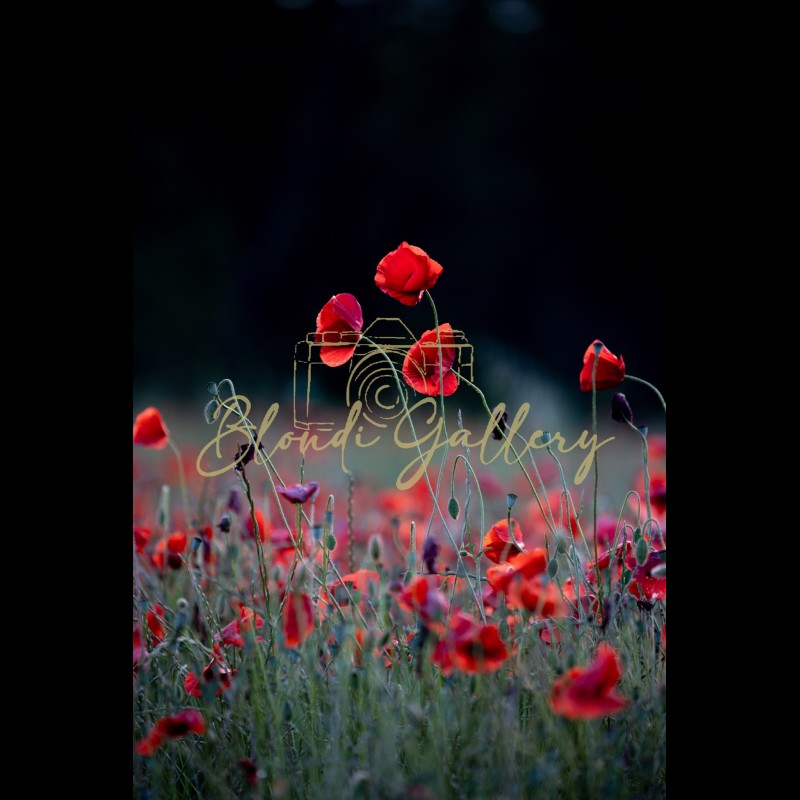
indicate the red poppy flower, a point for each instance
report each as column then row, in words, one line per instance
column 426, row 600
column 497, row 544
column 339, row 329
column 658, row 494
column 188, row 721
column 357, row 581
column 610, row 368
column 406, row 273
column 298, row 493
column 154, row 617
column 264, row 528
column 250, row 771
column 174, row 545
column 138, row 648
column 149, row 429
column 539, row 595
column 421, row 364
column 232, row 633
column 216, row 671
column 482, row 651
column 644, row 585
column 298, row 619
column 527, row 564
column 588, row 692
column 141, row 536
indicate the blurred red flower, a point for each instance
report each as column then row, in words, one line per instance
column 154, row 618
column 497, row 544
column 141, row 536
column 339, row 329
column 406, row 273
column 299, row 493
column 421, row 364
column 588, row 692
column 658, row 493
column 298, row 619
column 539, row 595
column 528, row 565
column 264, row 528
column 149, row 429
column 610, row 368
column 424, row 598
column 173, row 545
column 188, row 721
column 644, row 585
column 232, row 633
column 469, row 646
column 250, row 771
column 216, row 671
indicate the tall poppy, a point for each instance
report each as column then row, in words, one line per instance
column 339, row 325
column 589, row 692
column 150, row 430
column 406, row 273
column 421, row 364
column 610, row 368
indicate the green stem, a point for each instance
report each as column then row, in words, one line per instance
column 650, row 386
column 596, row 471
column 646, row 470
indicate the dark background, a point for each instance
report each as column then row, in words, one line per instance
column 518, row 143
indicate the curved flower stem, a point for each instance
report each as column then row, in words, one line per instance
column 182, row 477
column 516, row 455
column 446, row 446
column 646, row 471
column 649, row 385
column 596, row 471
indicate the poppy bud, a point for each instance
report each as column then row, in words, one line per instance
column 620, row 408
column 552, row 568
column 642, row 550
column 224, row 523
column 501, row 420
column 452, row 507
column 375, row 547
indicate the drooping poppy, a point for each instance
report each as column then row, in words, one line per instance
column 339, row 325
column 497, row 543
column 298, row 619
column 421, row 364
column 610, row 368
column 589, row 692
column 175, row 727
column 174, row 546
column 406, row 273
column 150, row 430
column 299, row 493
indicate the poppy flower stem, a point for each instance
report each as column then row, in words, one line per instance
column 650, row 386
column 182, row 478
column 517, row 458
column 596, row 476
column 646, row 470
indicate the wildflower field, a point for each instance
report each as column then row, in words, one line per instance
column 393, row 598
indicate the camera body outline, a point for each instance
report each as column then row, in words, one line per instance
column 367, row 366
